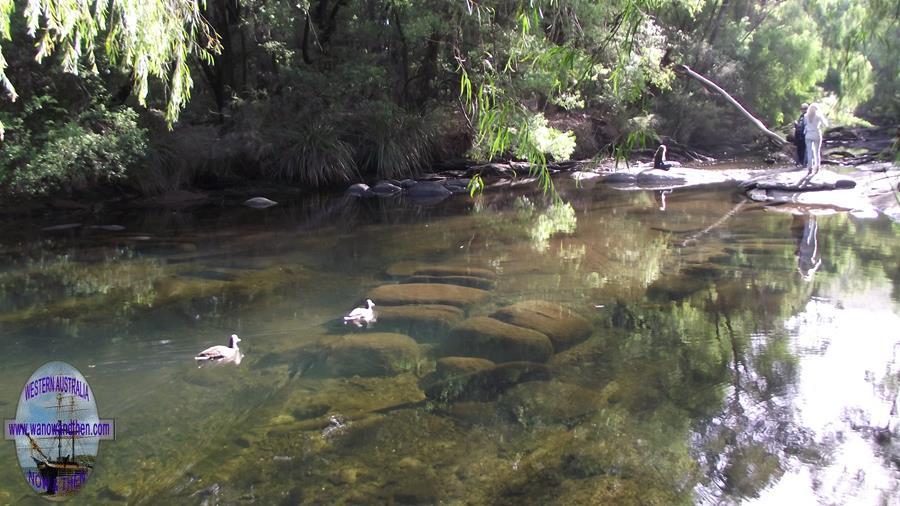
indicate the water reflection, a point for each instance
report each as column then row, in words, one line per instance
column 709, row 372
column 805, row 229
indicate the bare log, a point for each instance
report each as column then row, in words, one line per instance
column 713, row 86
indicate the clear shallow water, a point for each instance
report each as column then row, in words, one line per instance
column 728, row 360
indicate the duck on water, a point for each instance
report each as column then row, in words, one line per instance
column 221, row 354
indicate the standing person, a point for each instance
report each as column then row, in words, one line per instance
column 815, row 123
column 800, row 135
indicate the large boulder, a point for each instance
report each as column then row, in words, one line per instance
column 658, row 176
column 424, row 321
column 427, row 189
column 427, row 293
column 563, row 326
column 498, row 341
column 370, row 354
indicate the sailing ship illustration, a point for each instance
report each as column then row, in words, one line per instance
column 68, row 471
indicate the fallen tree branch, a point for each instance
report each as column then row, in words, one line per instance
column 713, row 86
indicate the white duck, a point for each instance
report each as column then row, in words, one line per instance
column 362, row 315
column 222, row 354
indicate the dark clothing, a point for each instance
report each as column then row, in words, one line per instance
column 659, row 159
column 800, row 139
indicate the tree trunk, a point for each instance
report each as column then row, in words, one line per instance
column 713, row 86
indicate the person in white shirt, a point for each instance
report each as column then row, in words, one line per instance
column 815, row 123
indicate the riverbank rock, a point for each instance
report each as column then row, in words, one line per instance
column 487, row 384
column 358, row 190
column 659, row 176
column 799, row 181
column 470, row 281
column 386, row 189
column 497, row 341
column 563, row 326
column 370, row 354
column 426, row 322
column 427, row 293
column 458, row 185
column 260, row 203
column 428, row 190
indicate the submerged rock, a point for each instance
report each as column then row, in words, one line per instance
column 486, row 384
column 260, row 203
column 417, row 268
column 427, row 293
column 108, row 228
column 452, row 270
column 424, row 321
column 370, row 354
column 471, row 281
column 460, row 366
column 498, row 341
column 563, row 326
column 553, row 402
column 56, row 228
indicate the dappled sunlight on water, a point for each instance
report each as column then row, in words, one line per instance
column 846, row 394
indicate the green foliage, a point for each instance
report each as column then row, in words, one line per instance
column 783, row 63
column 548, row 140
column 555, row 49
column 378, row 78
column 154, row 39
column 97, row 147
column 394, row 144
column 638, row 134
column 312, row 154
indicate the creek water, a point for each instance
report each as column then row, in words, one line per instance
column 733, row 352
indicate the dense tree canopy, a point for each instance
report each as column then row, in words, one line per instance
column 324, row 91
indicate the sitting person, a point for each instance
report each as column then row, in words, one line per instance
column 659, row 159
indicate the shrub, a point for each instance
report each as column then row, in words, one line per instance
column 313, row 155
column 394, row 143
column 98, row 147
